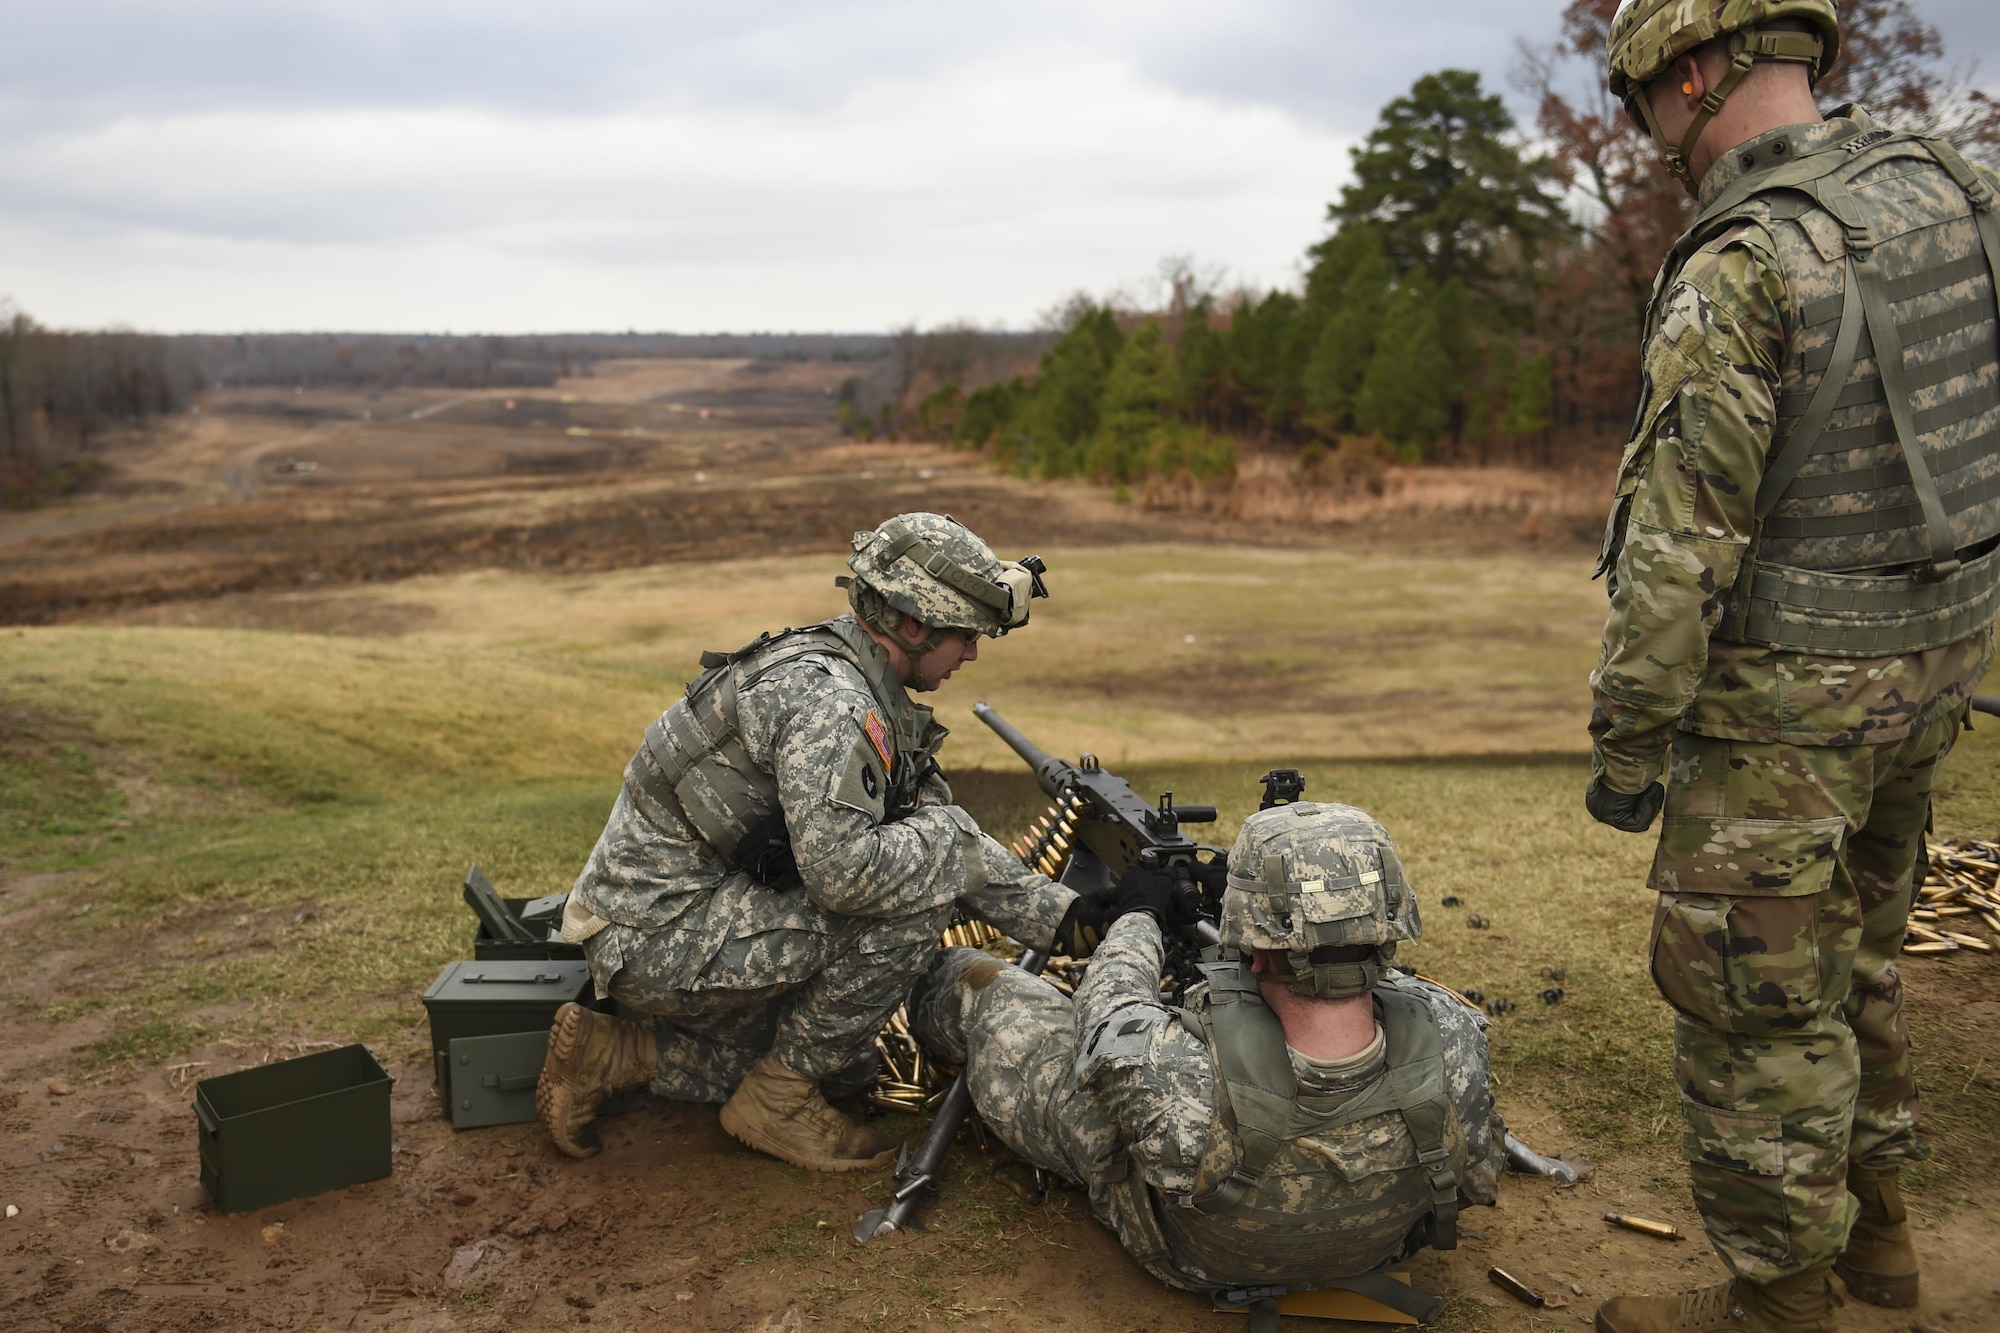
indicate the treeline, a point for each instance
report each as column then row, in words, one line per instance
column 1409, row 330
column 60, row 391
column 1458, row 309
column 369, row 361
column 390, row 361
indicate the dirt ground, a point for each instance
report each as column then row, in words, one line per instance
column 673, row 1226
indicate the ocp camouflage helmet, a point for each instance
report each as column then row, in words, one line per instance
column 1320, row 883
column 1648, row 36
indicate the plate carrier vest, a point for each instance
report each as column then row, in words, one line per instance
column 1243, row 1228
column 1860, row 550
column 694, row 770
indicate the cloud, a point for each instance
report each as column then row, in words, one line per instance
column 610, row 163
column 986, row 194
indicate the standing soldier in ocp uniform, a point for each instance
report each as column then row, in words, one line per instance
column 785, row 853
column 1310, row 1119
column 1803, row 592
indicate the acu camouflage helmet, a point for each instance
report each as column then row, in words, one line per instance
column 1648, row 36
column 936, row 570
column 1321, row 884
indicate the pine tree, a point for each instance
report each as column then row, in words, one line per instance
column 1139, row 392
column 1408, row 393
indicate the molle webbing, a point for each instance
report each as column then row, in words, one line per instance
column 1857, row 615
column 1338, row 1228
column 693, row 769
column 1835, row 511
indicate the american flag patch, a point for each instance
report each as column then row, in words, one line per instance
column 878, row 736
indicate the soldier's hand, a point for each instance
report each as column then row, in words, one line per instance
column 1146, row 889
column 1213, row 876
column 1084, row 925
column 1628, row 814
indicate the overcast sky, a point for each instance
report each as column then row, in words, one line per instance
column 496, row 165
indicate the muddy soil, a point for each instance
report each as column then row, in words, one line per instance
column 675, row 1226
column 643, row 463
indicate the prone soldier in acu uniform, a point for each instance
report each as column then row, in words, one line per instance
column 785, row 853
column 1309, row 1119
column 1803, row 591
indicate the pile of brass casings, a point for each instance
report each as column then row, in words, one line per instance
column 1961, row 890
column 909, row 1082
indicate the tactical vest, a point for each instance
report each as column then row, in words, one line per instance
column 693, row 767
column 1880, row 501
column 1286, row 1217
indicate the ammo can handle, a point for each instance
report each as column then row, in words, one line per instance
column 207, row 1121
column 539, row 979
column 513, row 1083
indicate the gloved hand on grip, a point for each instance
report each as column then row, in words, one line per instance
column 1632, row 813
column 1143, row 888
column 1084, row 925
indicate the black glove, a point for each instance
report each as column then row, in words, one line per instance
column 1084, row 925
column 1627, row 814
column 1213, row 876
column 1144, row 889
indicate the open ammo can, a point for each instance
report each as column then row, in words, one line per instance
column 548, row 944
column 490, row 1025
column 297, row 1127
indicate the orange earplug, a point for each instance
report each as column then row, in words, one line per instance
column 1688, row 87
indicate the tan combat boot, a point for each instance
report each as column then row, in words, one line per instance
column 1879, row 1264
column 591, row 1056
column 1800, row 1304
column 781, row 1113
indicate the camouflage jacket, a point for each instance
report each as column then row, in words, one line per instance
column 802, row 724
column 1163, row 1100
column 1684, row 515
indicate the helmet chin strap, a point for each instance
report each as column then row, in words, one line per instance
column 917, row 651
column 1747, row 46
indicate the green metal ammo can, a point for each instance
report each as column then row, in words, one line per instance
column 490, row 999
column 297, row 1127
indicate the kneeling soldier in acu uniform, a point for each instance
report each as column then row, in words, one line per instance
column 1308, row 1120
column 783, row 856
column 1804, row 585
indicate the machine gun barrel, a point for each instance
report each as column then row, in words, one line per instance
column 1051, row 773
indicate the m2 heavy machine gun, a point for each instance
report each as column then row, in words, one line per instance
column 1097, row 827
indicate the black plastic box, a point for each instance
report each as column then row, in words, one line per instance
column 485, row 946
column 297, row 1127
column 487, row 997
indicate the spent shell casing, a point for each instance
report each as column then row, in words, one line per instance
column 1645, row 1226
column 1514, row 1287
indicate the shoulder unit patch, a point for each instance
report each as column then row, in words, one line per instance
column 878, row 736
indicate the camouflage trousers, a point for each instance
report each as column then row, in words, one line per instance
column 789, row 978
column 1015, row 1036
column 1785, row 886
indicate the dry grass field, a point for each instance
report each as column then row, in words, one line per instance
column 254, row 724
